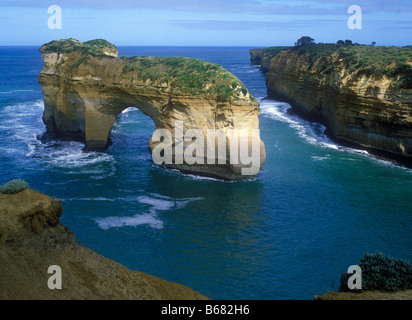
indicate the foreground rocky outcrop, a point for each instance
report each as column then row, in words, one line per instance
column 362, row 94
column 32, row 239
column 86, row 85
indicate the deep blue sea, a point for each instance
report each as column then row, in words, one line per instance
column 315, row 208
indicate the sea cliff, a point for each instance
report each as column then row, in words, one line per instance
column 263, row 57
column 363, row 94
column 86, row 86
column 32, row 239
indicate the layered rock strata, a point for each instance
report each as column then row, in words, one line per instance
column 86, row 86
column 32, row 240
column 263, row 57
column 357, row 105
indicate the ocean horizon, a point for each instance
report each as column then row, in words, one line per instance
column 314, row 209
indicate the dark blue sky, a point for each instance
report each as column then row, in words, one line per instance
column 206, row 23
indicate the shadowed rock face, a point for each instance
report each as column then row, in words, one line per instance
column 86, row 85
column 256, row 56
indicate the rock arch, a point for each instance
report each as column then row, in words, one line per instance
column 86, row 85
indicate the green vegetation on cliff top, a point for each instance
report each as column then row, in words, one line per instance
column 381, row 272
column 187, row 75
column 273, row 51
column 92, row 47
column 394, row 62
column 14, row 186
column 192, row 76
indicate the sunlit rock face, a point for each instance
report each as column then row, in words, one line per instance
column 356, row 104
column 86, row 86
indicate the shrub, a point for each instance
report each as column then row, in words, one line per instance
column 377, row 61
column 92, row 47
column 404, row 72
column 14, row 186
column 380, row 272
column 187, row 75
column 304, row 41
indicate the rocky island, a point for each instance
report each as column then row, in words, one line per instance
column 86, row 86
column 362, row 94
column 32, row 239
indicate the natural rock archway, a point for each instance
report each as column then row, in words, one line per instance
column 86, row 85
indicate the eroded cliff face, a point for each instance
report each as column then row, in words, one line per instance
column 32, row 239
column 366, row 109
column 86, row 85
column 256, row 56
column 263, row 57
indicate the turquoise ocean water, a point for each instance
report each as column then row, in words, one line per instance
column 314, row 209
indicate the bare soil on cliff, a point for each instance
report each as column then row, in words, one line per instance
column 32, row 239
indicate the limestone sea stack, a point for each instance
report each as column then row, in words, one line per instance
column 363, row 94
column 86, row 86
column 33, row 243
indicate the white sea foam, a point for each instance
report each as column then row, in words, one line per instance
column 156, row 203
column 197, row 177
column 24, row 109
column 54, row 183
column 126, row 117
column 22, row 124
column 92, row 199
column 133, row 221
column 319, row 158
column 127, row 110
column 313, row 133
column 32, row 149
column 70, row 155
column 193, row 176
column 13, row 91
column 162, row 203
